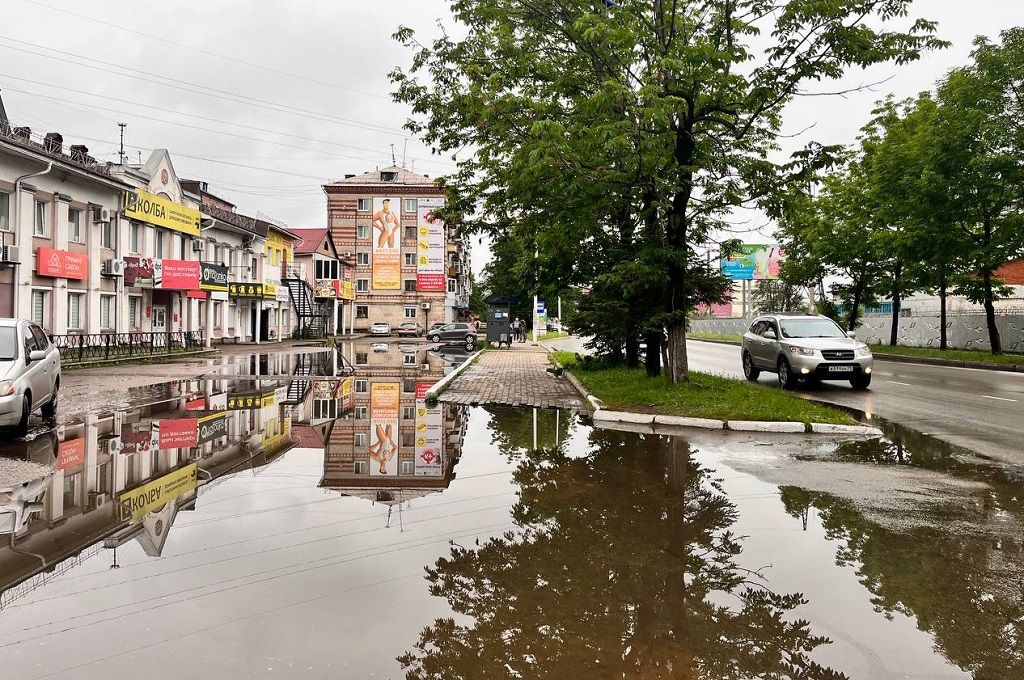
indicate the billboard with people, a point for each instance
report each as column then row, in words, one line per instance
column 753, row 262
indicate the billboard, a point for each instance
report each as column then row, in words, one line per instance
column 429, row 435
column 386, row 259
column 384, row 413
column 753, row 262
column 430, row 275
column 161, row 211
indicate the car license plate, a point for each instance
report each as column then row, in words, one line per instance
column 840, row 369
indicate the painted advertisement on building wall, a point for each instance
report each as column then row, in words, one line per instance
column 430, row 249
column 753, row 262
column 384, row 411
column 386, row 257
column 429, row 435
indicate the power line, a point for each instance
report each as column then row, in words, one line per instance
column 206, row 52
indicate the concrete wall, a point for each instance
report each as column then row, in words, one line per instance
column 963, row 331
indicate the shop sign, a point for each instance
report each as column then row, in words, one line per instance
column 348, row 292
column 140, row 501
column 197, row 404
column 179, row 274
column 326, row 288
column 177, row 433
column 61, row 264
column 139, row 272
column 70, row 453
column 269, row 290
column 213, row 277
column 282, row 293
column 241, row 401
column 163, row 212
column 218, row 402
column 136, row 438
column 212, row 427
column 245, row 290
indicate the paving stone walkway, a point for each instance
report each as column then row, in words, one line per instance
column 516, row 377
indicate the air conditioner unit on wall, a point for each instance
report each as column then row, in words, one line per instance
column 99, row 499
column 10, row 254
column 425, row 305
column 113, row 268
column 198, row 246
column 110, row 445
column 100, row 214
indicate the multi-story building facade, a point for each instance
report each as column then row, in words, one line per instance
column 403, row 256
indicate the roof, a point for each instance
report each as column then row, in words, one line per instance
column 200, row 188
column 306, row 437
column 374, row 178
column 1012, row 273
column 308, row 240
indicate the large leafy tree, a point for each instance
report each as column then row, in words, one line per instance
column 573, row 108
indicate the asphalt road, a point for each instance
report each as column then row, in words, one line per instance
column 982, row 411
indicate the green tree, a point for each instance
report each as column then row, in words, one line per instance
column 779, row 296
column 574, row 107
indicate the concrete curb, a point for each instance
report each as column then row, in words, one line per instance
column 593, row 402
column 826, row 428
column 908, row 359
column 682, row 421
column 443, row 383
column 604, row 415
column 765, row 426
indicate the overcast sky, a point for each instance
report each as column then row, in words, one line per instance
column 319, row 70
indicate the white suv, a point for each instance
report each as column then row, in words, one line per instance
column 29, row 373
column 804, row 347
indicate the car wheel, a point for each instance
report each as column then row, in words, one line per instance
column 787, row 380
column 21, row 429
column 470, row 339
column 750, row 372
column 50, row 408
column 861, row 382
column 435, row 338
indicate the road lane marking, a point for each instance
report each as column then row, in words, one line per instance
column 896, row 382
column 986, row 396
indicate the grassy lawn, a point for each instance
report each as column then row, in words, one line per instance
column 551, row 335
column 705, row 396
column 725, row 337
column 953, row 354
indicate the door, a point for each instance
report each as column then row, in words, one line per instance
column 51, row 364
column 758, row 343
column 35, row 371
column 159, row 326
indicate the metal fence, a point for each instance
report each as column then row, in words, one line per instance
column 85, row 347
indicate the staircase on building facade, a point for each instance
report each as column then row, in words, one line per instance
column 315, row 317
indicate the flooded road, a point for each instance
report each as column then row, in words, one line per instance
column 528, row 545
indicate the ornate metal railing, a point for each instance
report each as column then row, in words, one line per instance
column 85, row 347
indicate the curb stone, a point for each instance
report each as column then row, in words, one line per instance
column 826, row 428
column 682, row 421
column 623, row 417
column 764, row 426
column 442, row 384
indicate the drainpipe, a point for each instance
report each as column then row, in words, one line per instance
column 17, row 229
column 16, row 549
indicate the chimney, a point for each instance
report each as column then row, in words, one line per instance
column 23, row 133
column 79, row 153
column 53, row 142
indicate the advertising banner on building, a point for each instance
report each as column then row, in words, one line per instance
column 136, row 438
column 753, row 262
column 183, row 433
column 430, row 247
column 61, row 264
column 212, row 427
column 163, row 212
column 70, row 452
column 245, row 290
column 179, row 274
column 387, row 244
column 242, row 401
column 139, row 272
column 326, row 288
column 384, row 412
column 345, row 395
column 213, row 277
column 140, row 501
column 429, row 435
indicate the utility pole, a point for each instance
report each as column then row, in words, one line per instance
column 121, row 155
column 393, row 161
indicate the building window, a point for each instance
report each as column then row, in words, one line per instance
column 362, row 259
column 409, row 439
column 362, row 467
column 362, row 412
column 136, row 238
column 410, row 259
column 410, row 232
column 361, row 359
column 159, row 244
column 451, row 285
column 409, row 205
column 408, row 466
column 409, row 359
column 5, row 211
column 410, row 312
column 217, row 307
column 410, row 285
column 183, row 247
column 362, row 286
column 39, row 307
column 39, row 223
column 107, row 312
column 362, row 386
column 107, row 231
column 409, row 385
column 75, row 311
column 363, row 231
column 135, row 311
column 359, row 439
column 362, row 312
column 408, row 412
column 363, row 205
column 325, row 408
column 75, row 225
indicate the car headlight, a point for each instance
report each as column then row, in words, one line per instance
column 863, row 351
column 805, row 351
column 7, row 388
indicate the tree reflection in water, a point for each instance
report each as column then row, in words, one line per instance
column 622, row 565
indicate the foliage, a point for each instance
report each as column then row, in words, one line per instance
column 779, row 296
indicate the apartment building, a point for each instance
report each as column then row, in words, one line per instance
column 409, row 265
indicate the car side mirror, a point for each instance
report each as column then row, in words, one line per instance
column 851, row 334
column 770, row 334
column 36, row 355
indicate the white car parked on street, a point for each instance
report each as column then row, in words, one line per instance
column 29, row 373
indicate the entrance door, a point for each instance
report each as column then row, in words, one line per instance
column 159, row 326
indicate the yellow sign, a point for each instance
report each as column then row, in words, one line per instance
column 140, row 501
column 347, row 291
column 163, row 212
column 270, row 290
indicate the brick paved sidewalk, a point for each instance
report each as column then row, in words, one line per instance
column 517, row 377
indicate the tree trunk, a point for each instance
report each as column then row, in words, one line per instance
column 942, row 313
column 632, row 352
column 678, row 367
column 896, row 299
column 616, row 354
column 858, row 292
column 990, row 314
column 652, row 359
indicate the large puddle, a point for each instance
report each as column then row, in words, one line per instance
column 315, row 538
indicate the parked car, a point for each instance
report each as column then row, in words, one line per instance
column 380, row 347
column 435, row 326
column 29, row 373
column 410, row 329
column 804, row 347
column 380, row 328
column 453, row 332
